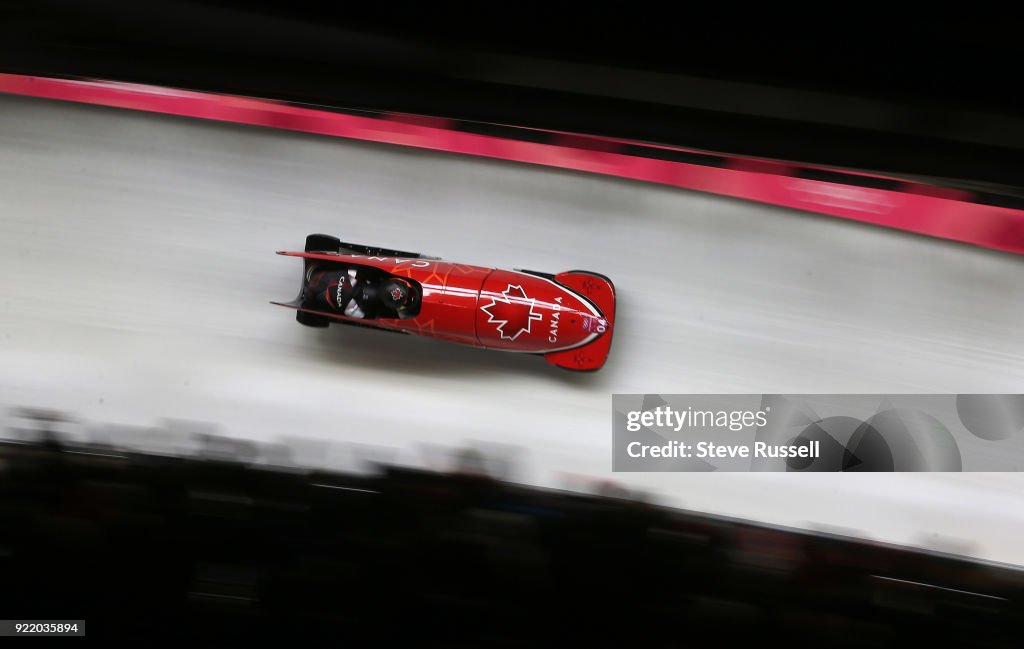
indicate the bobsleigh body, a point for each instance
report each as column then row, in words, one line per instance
column 566, row 317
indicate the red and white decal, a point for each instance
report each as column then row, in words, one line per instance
column 506, row 312
column 415, row 263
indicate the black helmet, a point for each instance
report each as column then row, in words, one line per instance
column 396, row 293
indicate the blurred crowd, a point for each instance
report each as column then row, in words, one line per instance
column 207, row 548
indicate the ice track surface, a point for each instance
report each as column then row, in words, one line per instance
column 136, row 261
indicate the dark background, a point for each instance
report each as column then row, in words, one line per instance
column 206, row 549
column 931, row 96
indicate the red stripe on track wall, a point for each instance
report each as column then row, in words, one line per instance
column 929, row 211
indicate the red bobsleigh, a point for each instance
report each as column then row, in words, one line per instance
column 568, row 318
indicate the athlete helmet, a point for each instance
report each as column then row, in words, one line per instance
column 397, row 293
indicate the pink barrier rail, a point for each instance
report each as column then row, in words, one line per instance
column 913, row 207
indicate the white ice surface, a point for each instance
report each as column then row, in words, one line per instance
column 136, row 265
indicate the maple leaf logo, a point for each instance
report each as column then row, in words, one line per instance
column 510, row 317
